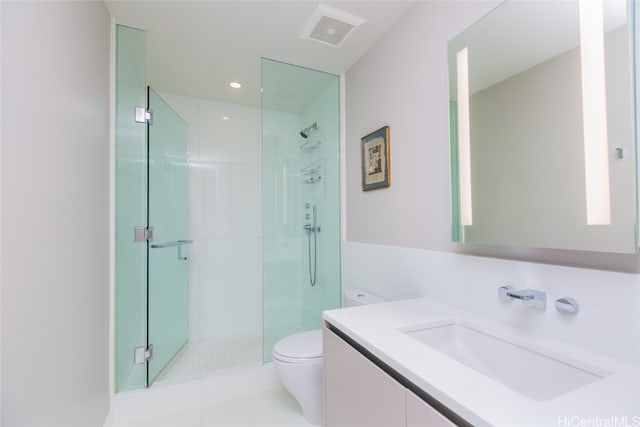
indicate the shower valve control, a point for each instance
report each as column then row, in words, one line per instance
column 308, row 228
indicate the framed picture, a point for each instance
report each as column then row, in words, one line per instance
column 375, row 160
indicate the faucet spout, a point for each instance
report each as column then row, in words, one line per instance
column 531, row 297
column 524, row 295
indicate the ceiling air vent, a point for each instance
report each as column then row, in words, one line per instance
column 330, row 26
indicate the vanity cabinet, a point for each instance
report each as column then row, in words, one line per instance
column 359, row 393
column 421, row 414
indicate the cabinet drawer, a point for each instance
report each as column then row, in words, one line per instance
column 421, row 414
column 357, row 392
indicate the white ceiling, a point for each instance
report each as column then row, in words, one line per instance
column 195, row 48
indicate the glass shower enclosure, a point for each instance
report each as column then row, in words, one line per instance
column 300, row 199
column 250, row 285
column 152, row 222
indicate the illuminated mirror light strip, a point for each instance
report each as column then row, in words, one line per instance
column 464, row 137
column 594, row 112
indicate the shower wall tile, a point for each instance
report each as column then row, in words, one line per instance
column 187, row 109
column 244, row 200
column 207, row 194
column 281, row 190
column 225, row 217
column 233, row 140
column 195, row 259
column 230, row 291
column 225, row 200
column 280, row 133
column 227, row 182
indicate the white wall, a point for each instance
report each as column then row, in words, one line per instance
column 398, row 239
column 402, row 82
column 0, row 215
column 55, row 207
column 609, row 317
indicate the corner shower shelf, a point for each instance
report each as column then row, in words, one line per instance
column 312, row 180
column 310, row 169
column 310, row 145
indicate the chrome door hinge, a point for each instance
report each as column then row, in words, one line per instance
column 143, row 115
column 143, row 234
column 141, row 355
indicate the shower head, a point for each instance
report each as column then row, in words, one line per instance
column 307, row 131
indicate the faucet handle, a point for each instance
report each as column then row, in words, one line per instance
column 567, row 305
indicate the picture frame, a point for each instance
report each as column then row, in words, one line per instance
column 374, row 152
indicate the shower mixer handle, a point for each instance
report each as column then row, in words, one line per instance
column 308, row 228
column 311, row 227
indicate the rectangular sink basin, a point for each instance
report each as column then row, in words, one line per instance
column 525, row 371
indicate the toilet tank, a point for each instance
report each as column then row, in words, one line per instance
column 353, row 297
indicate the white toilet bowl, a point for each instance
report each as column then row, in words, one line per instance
column 298, row 362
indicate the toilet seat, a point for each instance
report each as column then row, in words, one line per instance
column 302, row 348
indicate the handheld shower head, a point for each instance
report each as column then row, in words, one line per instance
column 307, row 131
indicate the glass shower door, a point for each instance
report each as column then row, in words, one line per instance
column 168, row 215
column 151, row 191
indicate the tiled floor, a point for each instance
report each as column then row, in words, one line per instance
column 250, row 397
column 213, row 355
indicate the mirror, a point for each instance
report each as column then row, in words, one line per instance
column 542, row 127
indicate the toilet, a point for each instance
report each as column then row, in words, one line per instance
column 298, row 361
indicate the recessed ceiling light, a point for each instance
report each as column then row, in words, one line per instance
column 226, row 118
column 235, row 85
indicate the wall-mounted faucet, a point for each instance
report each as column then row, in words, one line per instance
column 537, row 299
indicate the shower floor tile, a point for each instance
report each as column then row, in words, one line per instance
column 200, row 357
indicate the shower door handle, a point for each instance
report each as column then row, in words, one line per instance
column 176, row 243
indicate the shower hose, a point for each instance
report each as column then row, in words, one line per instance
column 312, row 276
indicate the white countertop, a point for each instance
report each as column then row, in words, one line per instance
column 477, row 398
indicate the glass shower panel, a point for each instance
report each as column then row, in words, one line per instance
column 320, row 178
column 168, row 286
column 301, row 199
column 131, row 207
